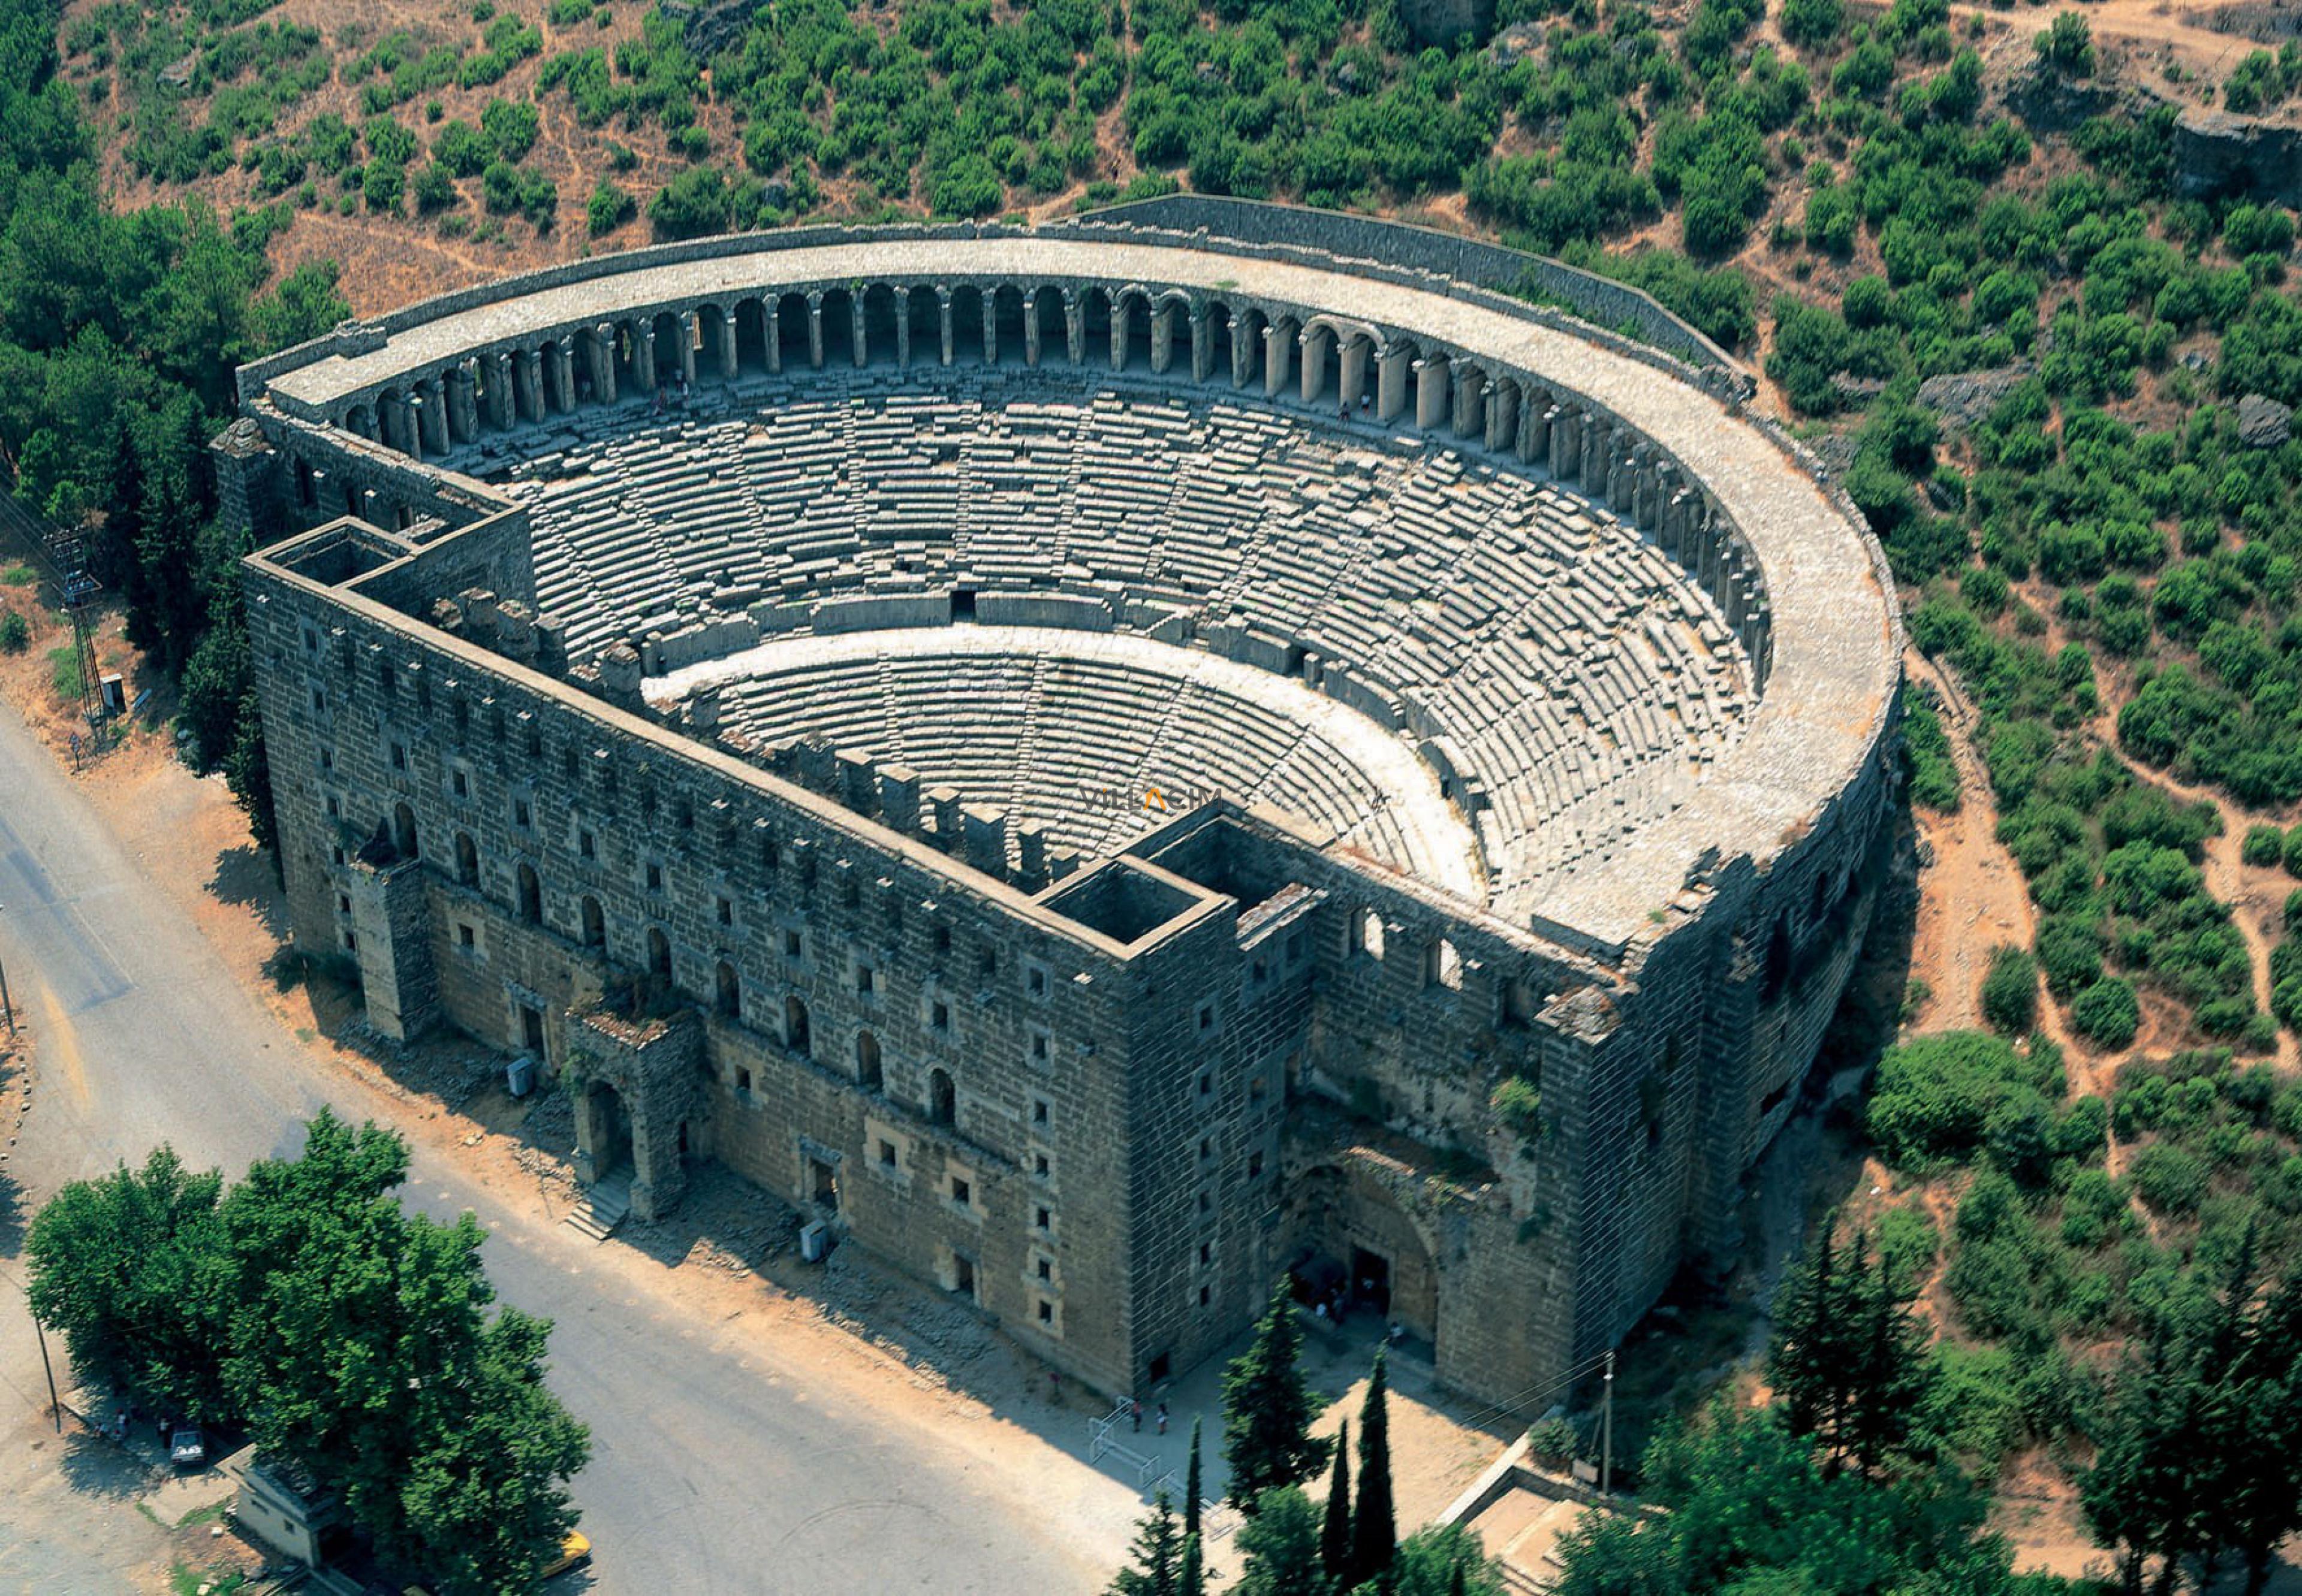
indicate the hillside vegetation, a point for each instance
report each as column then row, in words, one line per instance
column 2052, row 380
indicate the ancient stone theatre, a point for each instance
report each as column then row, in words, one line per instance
column 1106, row 762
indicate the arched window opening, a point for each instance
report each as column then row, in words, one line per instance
column 795, row 1037
column 1367, row 934
column 467, row 860
column 943, row 1101
column 1444, row 967
column 729, row 998
column 403, row 830
column 868, row 1071
column 531, row 895
column 659, row 955
column 595, row 924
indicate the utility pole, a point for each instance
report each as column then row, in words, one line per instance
column 55, row 1408
column 1607, row 1431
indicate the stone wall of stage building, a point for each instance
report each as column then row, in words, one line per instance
column 1028, row 1026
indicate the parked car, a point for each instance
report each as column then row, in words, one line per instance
column 188, row 1448
column 573, row 1552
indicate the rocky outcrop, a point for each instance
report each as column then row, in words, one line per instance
column 2049, row 102
column 2263, row 423
column 2216, row 154
column 1962, row 398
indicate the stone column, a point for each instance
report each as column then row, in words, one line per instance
column 1592, row 472
column 603, row 364
column 1162, row 336
column 499, row 394
column 527, row 383
column 727, row 345
column 1119, row 315
column 942, row 309
column 1278, row 358
column 1470, row 416
column 1074, row 327
column 904, row 329
column 1534, row 425
column 771, row 330
column 815, row 330
column 855, row 324
column 1502, row 415
column 1354, row 372
column 643, row 354
column 1389, row 381
column 455, row 388
column 1564, row 454
column 687, row 348
column 1203, row 345
column 990, row 303
column 1031, row 330
column 1431, row 384
column 411, row 425
column 1242, row 353
column 1314, row 384
column 566, row 374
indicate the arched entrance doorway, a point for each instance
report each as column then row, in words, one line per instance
column 1349, row 1238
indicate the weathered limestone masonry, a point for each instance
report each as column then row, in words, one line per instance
column 1106, row 1093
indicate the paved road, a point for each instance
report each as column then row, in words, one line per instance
column 715, row 1468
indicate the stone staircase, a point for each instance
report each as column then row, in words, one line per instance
column 601, row 1207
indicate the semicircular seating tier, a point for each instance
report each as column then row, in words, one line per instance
column 1564, row 678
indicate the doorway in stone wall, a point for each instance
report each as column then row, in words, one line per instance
column 1371, row 1280
column 823, row 1184
column 531, row 1030
column 612, row 1132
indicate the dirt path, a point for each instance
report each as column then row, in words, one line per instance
column 1972, row 896
column 2203, row 49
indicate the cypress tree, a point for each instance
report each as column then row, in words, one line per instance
column 1807, row 1357
column 1192, row 1484
column 1267, row 1411
column 1335, row 1529
column 1374, row 1532
column 1195, row 1575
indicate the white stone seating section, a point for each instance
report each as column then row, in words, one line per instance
column 1584, row 681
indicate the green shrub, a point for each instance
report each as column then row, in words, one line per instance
column 2106, row 1012
column 2264, row 846
column 15, row 633
column 1908, row 1244
column 609, row 208
column 1519, row 1106
column 2170, row 1181
column 2293, row 854
column 1936, row 1095
column 2010, row 992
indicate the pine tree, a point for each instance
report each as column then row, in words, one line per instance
column 1268, row 1410
column 1847, row 1358
column 1808, row 1350
column 1375, row 1530
column 1335, row 1529
column 1888, row 1380
column 2255, row 1426
column 1195, row 1573
column 1158, row 1550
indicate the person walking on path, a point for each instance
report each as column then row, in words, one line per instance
column 1162, row 1417
column 1135, row 1408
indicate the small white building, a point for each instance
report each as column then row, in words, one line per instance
column 279, row 1506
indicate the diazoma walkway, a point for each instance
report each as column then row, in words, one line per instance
column 1617, row 628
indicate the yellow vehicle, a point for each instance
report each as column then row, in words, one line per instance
column 573, row 1552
